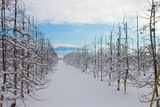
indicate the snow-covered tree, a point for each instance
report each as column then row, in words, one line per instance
column 26, row 56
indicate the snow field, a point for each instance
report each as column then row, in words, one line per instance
column 71, row 87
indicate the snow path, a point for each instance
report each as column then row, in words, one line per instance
column 71, row 87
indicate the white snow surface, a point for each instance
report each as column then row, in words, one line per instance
column 71, row 87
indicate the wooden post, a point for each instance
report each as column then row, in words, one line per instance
column 138, row 47
column 155, row 88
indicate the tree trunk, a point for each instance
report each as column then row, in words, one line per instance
column 110, row 59
column 3, row 49
column 118, row 55
column 153, row 44
column 127, row 64
column 14, row 53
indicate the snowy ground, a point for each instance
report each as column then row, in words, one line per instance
column 72, row 88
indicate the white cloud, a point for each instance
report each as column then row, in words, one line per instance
column 64, row 45
column 82, row 11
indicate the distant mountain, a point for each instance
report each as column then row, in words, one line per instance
column 62, row 51
column 65, row 49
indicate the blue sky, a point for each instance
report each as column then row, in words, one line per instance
column 74, row 34
column 76, row 22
